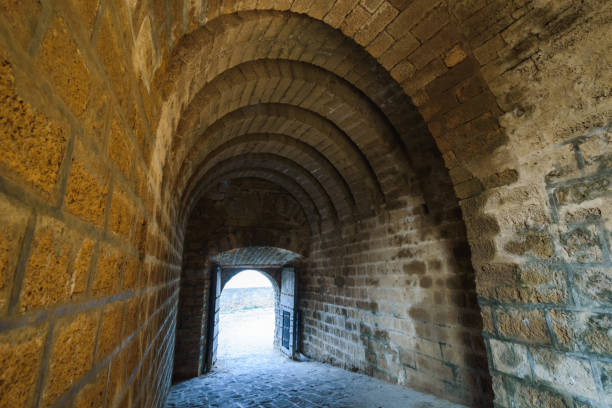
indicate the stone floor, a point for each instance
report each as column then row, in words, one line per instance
column 273, row 381
column 245, row 333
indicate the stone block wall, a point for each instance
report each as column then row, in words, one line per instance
column 218, row 224
column 394, row 297
column 101, row 109
column 547, row 320
column 88, row 261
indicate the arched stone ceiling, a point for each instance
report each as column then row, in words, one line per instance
column 307, row 157
column 290, row 85
column 302, row 125
column 359, row 128
column 221, row 174
column 256, row 256
column 316, row 91
column 277, row 165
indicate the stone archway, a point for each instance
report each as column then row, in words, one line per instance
column 442, row 165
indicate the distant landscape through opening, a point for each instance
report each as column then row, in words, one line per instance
column 246, row 316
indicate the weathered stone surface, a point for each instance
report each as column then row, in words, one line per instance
column 20, row 356
column 71, row 355
column 526, row 395
column 14, row 220
column 312, row 379
column 62, row 60
column 93, row 395
column 582, row 330
column 32, row 145
column 21, row 17
column 529, row 326
column 510, row 358
column 110, row 266
column 422, row 156
column 564, row 372
column 87, row 189
column 121, row 215
column 110, row 330
column 594, row 286
column 58, row 266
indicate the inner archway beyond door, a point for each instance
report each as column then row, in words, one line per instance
column 247, row 316
column 273, row 264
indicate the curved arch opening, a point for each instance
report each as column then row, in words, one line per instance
column 391, row 259
column 247, row 314
column 446, row 188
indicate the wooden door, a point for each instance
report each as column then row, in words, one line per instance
column 213, row 320
column 288, row 312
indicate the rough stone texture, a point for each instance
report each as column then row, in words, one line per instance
column 110, row 330
column 58, row 266
column 87, row 189
column 276, row 220
column 93, row 395
column 22, row 17
column 441, row 157
column 32, row 145
column 510, row 358
column 14, row 220
column 20, row 356
column 237, row 382
column 71, row 355
column 62, row 60
column 563, row 372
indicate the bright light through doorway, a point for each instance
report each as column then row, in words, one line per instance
column 248, row 279
column 246, row 317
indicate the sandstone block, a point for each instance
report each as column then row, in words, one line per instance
column 31, row 145
column 21, row 16
column 379, row 20
column 120, row 149
column 582, row 331
column 110, row 331
column 563, row 372
column 410, row 16
column 583, row 190
column 71, row 355
column 58, row 265
column 121, row 214
column 20, row 358
column 108, row 274
column 354, row 21
column 60, row 57
column 525, row 395
column 87, row 189
column 13, row 219
column 529, row 326
column 594, row 286
column 92, row 395
column 335, row 17
column 581, row 244
column 510, row 358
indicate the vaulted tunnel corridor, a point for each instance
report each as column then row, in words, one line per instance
column 426, row 182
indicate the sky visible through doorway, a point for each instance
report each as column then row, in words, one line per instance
column 248, row 279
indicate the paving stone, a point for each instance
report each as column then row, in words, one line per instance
column 270, row 380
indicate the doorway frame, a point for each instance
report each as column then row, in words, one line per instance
column 219, row 277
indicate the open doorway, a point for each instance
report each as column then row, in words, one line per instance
column 246, row 316
column 244, row 327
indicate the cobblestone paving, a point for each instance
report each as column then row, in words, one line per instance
column 276, row 382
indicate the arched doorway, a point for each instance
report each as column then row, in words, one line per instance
column 247, row 316
column 283, row 281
